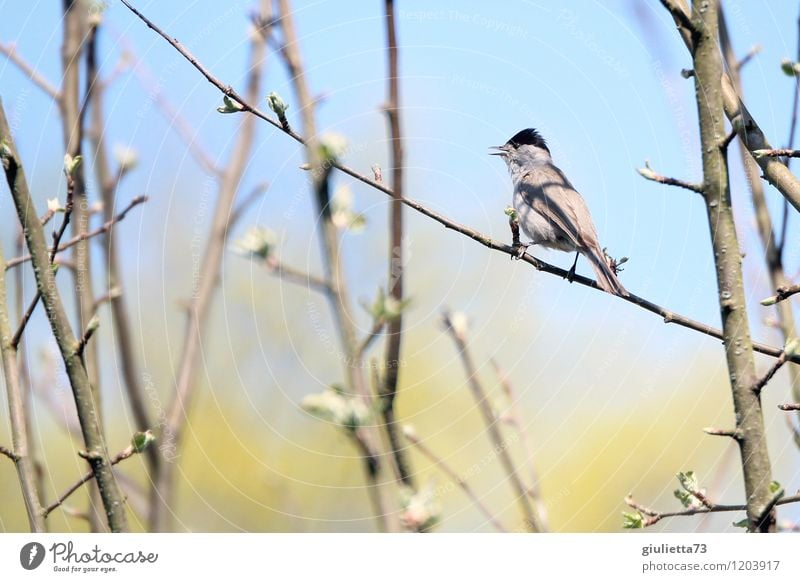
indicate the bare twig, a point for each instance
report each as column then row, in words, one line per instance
column 531, row 518
column 783, row 292
column 292, row 275
column 377, row 327
column 514, row 417
column 6, row 452
column 26, row 472
column 440, row 463
column 789, row 406
column 777, row 153
column 394, row 327
column 128, row 452
column 754, row 50
column 256, row 193
column 103, row 229
column 733, row 433
column 10, row 51
column 679, row 15
column 649, row 174
column 60, row 325
column 770, row 373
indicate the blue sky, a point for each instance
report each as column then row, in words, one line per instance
column 600, row 80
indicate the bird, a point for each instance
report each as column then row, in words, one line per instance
column 550, row 210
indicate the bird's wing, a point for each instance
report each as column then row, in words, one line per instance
column 552, row 195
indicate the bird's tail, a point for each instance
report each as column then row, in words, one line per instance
column 606, row 278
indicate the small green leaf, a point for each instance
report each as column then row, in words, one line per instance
column 745, row 523
column 774, row 487
column 71, row 164
column 277, row 105
column 512, row 214
column 229, row 105
column 687, row 499
column 633, row 520
column 688, row 481
column 142, row 440
column 790, row 68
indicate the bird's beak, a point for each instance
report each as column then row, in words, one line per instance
column 502, row 151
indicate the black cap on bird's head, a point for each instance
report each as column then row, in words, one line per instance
column 527, row 136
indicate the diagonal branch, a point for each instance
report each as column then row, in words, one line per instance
column 462, row 483
column 102, row 229
column 10, row 51
column 60, row 325
column 484, row 239
column 648, row 174
column 531, row 516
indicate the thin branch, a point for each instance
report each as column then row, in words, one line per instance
column 106, row 227
column 532, row 519
column 10, row 51
column 374, row 333
column 514, row 417
column 781, row 294
column 733, row 433
column 8, row 453
column 256, row 193
column 440, row 463
column 776, row 153
column 60, row 325
column 484, row 239
column 789, row 406
column 394, row 327
column 679, row 15
column 26, row 471
column 118, row 458
column 648, row 174
column 292, row 275
column 759, row 386
column 754, row 50
column 656, row 516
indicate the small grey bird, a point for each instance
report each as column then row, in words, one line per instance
column 551, row 212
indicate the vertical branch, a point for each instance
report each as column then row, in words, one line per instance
column 211, row 262
column 532, row 519
column 123, row 333
column 395, row 327
column 76, row 35
column 26, row 472
column 728, row 262
column 95, row 453
column 332, row 261
column 772, row 251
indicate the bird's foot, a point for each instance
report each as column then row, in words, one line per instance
column 519, row 249
column 615, row 264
